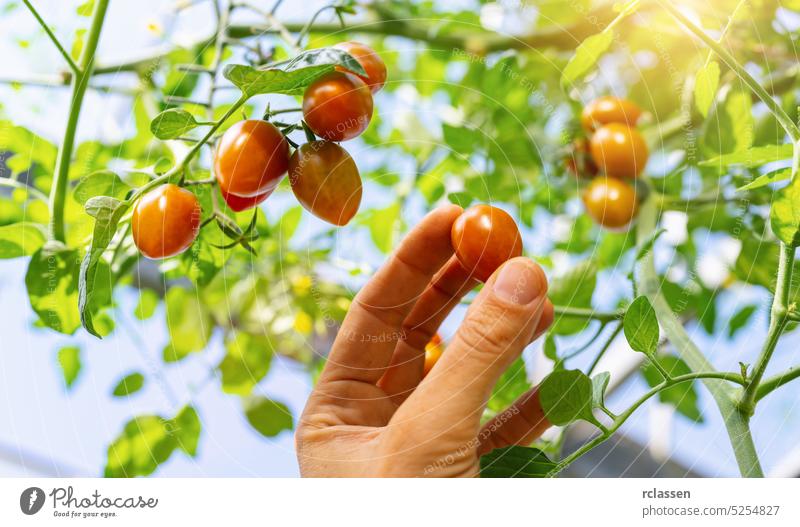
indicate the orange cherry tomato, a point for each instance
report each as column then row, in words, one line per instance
column 611, row 202
column 326, row 181
column 337, row 106
column 238, row 203
column 433, row 352
column 251, row 158
column 165, row 221
column 609, row 109
column 580, row 162
column 619, row 150
column 483, row 238
column 369, row 60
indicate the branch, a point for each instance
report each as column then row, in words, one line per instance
column 773, row 383
column 53, row 38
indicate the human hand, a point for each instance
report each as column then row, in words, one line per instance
column 373, row 414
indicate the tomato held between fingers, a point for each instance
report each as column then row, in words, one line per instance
column 337, row 106
column 251, row 158
column 619, row 150
column 484, row 237
column 611, row 202
column 609, row 109
column 239, row 203
column 326, row 181
column 369, row 60
column 433, row 352
column 165, row 221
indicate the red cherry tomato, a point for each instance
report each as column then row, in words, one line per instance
column 369, row 60
column 325, row 181
column 483, row 238
column 165, row 221
column 608, row 109
column 610, row 202
column 619, row 150
column 337, row 106
column 251, row 158
column 433, row 352
column 238, row 203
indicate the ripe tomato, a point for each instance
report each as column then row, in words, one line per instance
column 369, row 60
column 580, row 162
column 619, row 150
column 251, row 158
column 238, row 203
column 337, row 106
column 433, row 351
column 165, row 221
column 325, row 181
column 611, row 202
column 483, row 238
column 608, row 109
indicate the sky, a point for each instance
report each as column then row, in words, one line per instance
column 48, row 431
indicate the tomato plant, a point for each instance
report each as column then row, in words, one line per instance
column 480, row 109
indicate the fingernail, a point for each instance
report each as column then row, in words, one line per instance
column 518, row 282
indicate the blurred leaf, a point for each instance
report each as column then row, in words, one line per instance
column 128, row 385
column 573, row 289
column 289, row 223
column 185, row 428
column 705, row 86
column 383, row 225
column 268, row 417
column 751, row 158
column 511, row 385
column 785, row 214
column 148, row 302
column 246, row 361
column 20, row 239
column 52, row 282
column 189, row 324
column 461, row 139
column 682, row 396
column 586, row 56
column 641, row 326
column 740, row 319
column 69, row 359
column 516, row 462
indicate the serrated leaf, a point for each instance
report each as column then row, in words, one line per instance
column 516, row 462
column 172, row 123
column 20, row 239
column 599, row 385
column 93, row 293
column 586, row 56
column 69, row 360
column 641, row 326
column 785, row 214
column 268, row 417
column 751, row 158
column 566, row 396
column 705, row 86
column 128, row 385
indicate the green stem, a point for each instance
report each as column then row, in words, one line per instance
column 13, row 183
column 577, row 312
column 605, row 348
column 771, row 384
column 736, row 421
column 777, row 323
column 79, row 83
column 782, row 117
column 71, row 63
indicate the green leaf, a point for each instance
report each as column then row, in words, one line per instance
column 246, row 361
column 145, row 443
column 189, row 323
column 599, row 385
column 172, row 123
column 641, row 326
column 512, row 384
column 128, row 385
column 289, row 223
column 566, row 396
column 586, row 56
column 20, row 239
column 705, row 86
column 185, row 429
column 383, row 227
column 52, row 282
column 573, row 289
column 763, row 180
column 69, row 359
column 647, row 245
column 148, row 301
column 751, row 158
column 94, row 283
column 100, row 183
column 268, row 417
column 516, row 462
column 291, row 77
column 682, row 396
column 460, row 138
column 785, row 214
column 740, row 319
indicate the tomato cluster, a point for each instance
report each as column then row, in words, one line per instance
column 616, row 151
column 253, row 156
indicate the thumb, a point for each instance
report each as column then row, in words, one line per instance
column 499, row 324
